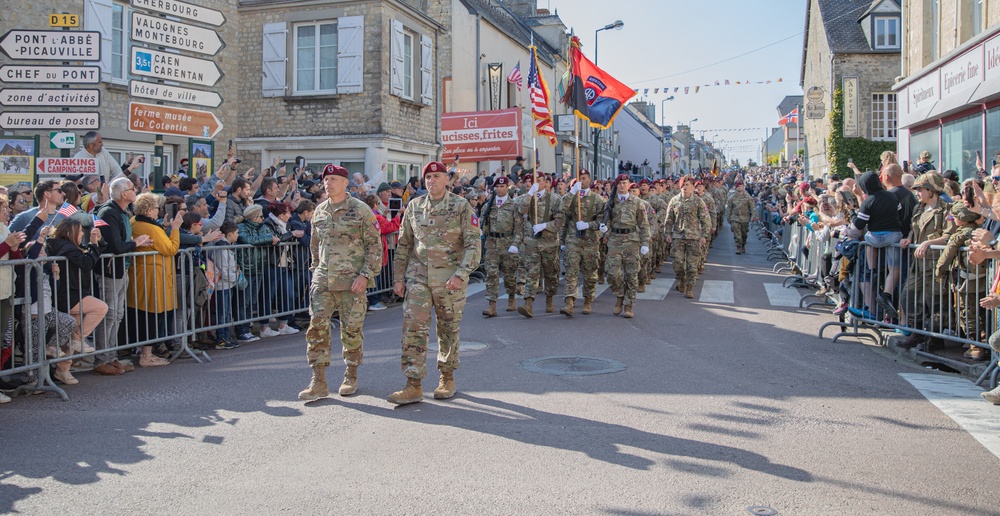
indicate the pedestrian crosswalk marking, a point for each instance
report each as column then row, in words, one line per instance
column 778, row 295
column 717, row 291
column 657, row 290
column 476, row 288
column 959, row 399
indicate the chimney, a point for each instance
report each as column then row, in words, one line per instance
column 542, row 12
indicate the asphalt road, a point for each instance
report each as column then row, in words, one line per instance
column 725, row 402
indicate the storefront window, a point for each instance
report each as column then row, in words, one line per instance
column 960, row 140
column 924, row 140
column 992, row 136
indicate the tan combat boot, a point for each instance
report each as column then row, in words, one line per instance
column 618, row 306
column 412, row 393
column 317, row 386
column 446, row 387
column 689, row 291
column 568, row 309
column 525, row 309
column 642, row 287
column 588, row 305
column 550, row 305
column 511, row 304
column 628, row 312
column 491, row 311
column 350, row 384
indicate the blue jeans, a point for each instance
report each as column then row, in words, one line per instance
column 222, row 313
column 282, row 291
column 249, row 300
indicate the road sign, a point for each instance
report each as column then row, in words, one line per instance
column 50, row 97
column 52, row 45
column 183, row 10
column 64, row 20
column 49, row 120
column 168, row 33
column 174, row 67
column 67, row 166
column 815, row 110
column 62, row 140
column 155, row 119
column 52, row 74
column 148, row 90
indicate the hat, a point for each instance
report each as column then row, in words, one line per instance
column 925, row 154
column 738, row 183
column 804, row 186
column 622, row 177
column 501, row 180
column 528, row 178
column 395, row 184
column 184, row 161
column 334, row 170
column 929, row 181
column 519, row 158
column 950, row 175
column 960, row 212
column 384, row 187
column 584, row 171
column 249, row 210
column 632, row 185
column 434, row 166
column 699, row 183
column 644, row 182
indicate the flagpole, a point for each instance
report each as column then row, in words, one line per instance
column 576, row 137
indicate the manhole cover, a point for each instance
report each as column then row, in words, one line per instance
column 761, row 510
column 465, row 345
column 572, row 366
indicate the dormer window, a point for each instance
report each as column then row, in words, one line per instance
column 886, row 33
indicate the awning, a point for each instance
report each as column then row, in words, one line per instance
column 919, row 116
column 951, row 104
column 986, row 91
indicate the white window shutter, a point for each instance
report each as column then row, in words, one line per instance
column 273, row 77
column 396, row 60
column 426, row 67
column 97, row 17
column 350, row 54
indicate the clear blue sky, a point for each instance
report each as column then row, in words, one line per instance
column 664, row 41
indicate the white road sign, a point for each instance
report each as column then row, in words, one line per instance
column 148, row 90
column 174, row 67
column 67, row 166
column 49, row 120
column 50, row 97
column 52, row 45
column 168, row 33
column 34, row 74
column 183, row 10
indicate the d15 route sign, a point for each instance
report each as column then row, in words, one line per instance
column 52, row 45
column 67, row 166
column 155, row 119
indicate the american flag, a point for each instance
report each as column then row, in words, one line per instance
column 67, row 209
column 539, row 93
column 100, row 223
column 515, row 76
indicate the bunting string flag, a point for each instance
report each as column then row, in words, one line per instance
column 721, row 83
column 539, row 94
column 594, row 94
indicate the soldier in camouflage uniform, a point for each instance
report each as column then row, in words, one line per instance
column 346, row 256
column 627, row 229
column 439, row 246
column 720, row 196
column 740, row 208
column 502, row 224
column 650, row 193
column 669, row 193
column 582, row 209
column 709, row 200
column 688, row 225
column 602, row 245
column 527, row 182
column 972, row 282
column 645, row 267
column 541, row 244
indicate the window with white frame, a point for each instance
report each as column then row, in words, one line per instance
column 316, row 58
column 119, row 42
column 886, row 32
column 884, row 116
column 408, row 65
column 977, row 17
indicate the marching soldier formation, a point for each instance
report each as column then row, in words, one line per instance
column 523, row 229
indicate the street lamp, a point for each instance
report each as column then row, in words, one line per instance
column 663, row 138
column 616, row 25
column 690, row 142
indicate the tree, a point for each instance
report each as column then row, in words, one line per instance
column 866, row 153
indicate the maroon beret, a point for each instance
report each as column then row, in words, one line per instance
column 434, row 166
column 334, row 170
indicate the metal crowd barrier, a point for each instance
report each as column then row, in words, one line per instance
column 157, row 300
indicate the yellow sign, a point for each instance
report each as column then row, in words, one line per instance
column 64, row 20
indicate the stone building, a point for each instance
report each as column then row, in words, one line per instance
column 793, row 142
column 854, row 43
column 950, row 84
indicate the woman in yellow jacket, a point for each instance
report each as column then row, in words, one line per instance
column 151, row 289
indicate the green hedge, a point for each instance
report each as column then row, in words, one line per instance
column 866, row 153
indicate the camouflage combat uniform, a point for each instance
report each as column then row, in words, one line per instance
column 656, row 229
column 438, row 240
column 709, row 201
column 346, row 243
column 628, row 230
column 720, row 195
column 582, row 253
column 645, row 260
column 740, row 207
column 541, row 253
column 971, row 281
column 687, row 222
column 503, row 227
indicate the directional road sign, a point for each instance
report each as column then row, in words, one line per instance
column 52, row 74
column 49, row 120
column 168, row 33
column 67, row 166
column 156, row 119
column 62, row 140
column 52, row 45
column 152, row 91
column 174, row 67
column 50, row 97
column 183, row 10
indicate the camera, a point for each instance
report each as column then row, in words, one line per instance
column 237, row 160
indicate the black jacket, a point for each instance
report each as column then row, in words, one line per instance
column 881, row 209
column 76, row 282
column 115, row 237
